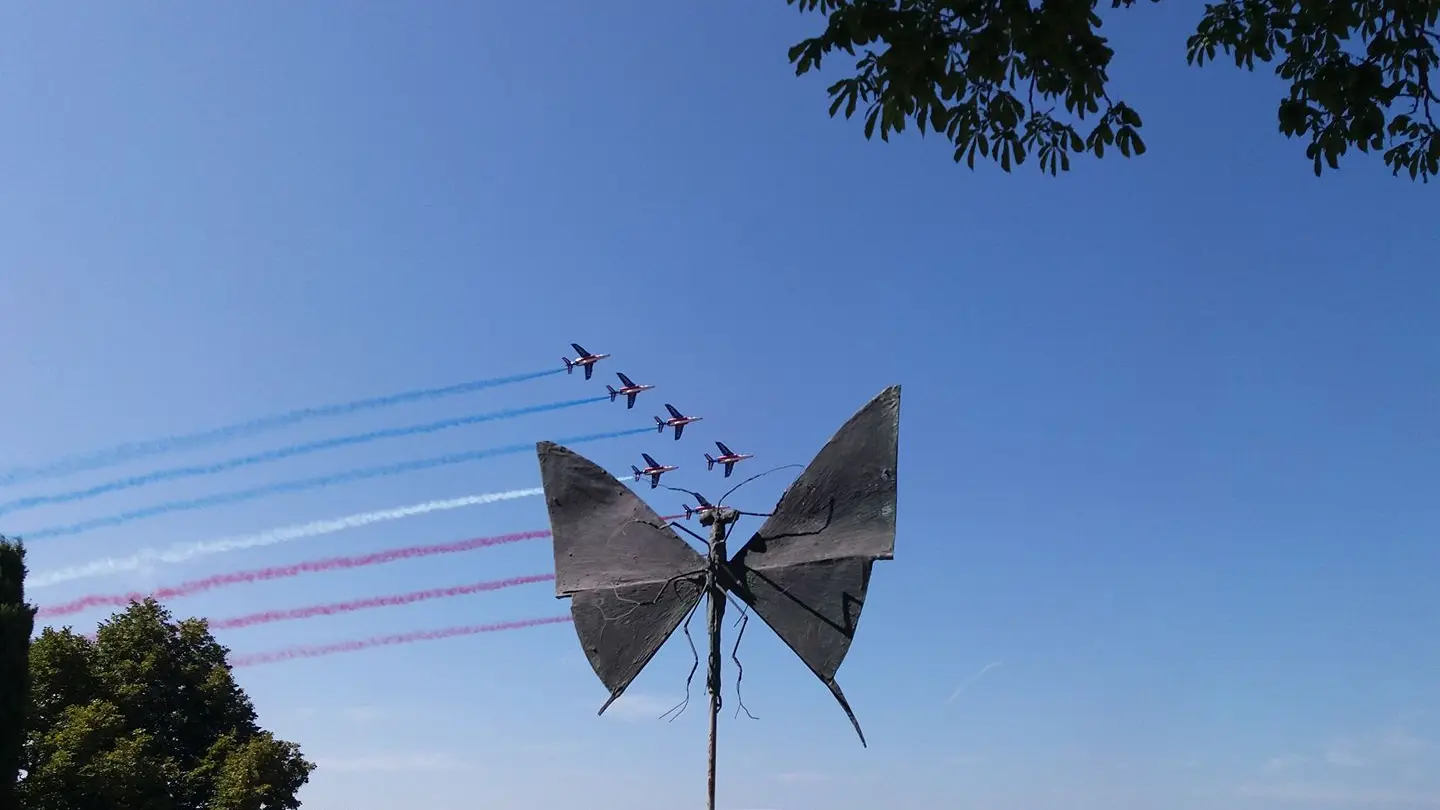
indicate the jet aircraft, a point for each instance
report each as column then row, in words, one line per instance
column 585, row 359
column 705, row 506
column 677, row 420
column 654, row 469
column 628, row 388
column 726, row 457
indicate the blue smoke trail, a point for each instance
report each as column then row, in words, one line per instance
column 283, row 453
column 131, row 450
column 303, row 484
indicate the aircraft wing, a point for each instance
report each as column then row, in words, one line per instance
column 673, row 412
column 630, row 578
column 725, row 451
column 581, row 349
column 625, row 381
column 648, row 460
column 805, row 572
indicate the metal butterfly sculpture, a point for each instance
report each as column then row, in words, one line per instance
column 632, row 580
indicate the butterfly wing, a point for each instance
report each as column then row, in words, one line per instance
column 806, row 571
column 631, row 580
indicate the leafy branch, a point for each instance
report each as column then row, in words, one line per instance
column 993, row 75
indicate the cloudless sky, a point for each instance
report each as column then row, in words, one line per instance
column 1169, row 427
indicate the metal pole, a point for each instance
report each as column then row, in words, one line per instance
column 717, row 559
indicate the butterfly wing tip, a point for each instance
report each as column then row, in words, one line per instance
column 614, row 697
column 845, row 705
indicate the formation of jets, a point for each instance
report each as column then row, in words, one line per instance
column 677, row 420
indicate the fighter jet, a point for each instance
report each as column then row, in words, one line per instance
column 585, row 359
column 705, row 506
column 654, row 470
column 628, row 388
column 726, row 457
column 677, row 420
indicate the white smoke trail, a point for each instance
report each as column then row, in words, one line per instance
column 189, row 551
column 973, row 680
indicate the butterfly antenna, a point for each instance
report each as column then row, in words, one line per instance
column 753, row 477
column 740, row 669
column 678, row 525
column 679, row 708
column 697, row 496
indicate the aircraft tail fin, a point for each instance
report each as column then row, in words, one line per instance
column 569, row 366
column 709, row 462
column 635, row 470
column 612, row 391
column 659, row 425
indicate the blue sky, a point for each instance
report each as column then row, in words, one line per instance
column 1169, row 445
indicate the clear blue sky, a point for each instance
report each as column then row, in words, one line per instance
column 1169, row 436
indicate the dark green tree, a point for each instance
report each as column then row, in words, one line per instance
column 147, row 716
column 990, row 74
column 17, row 621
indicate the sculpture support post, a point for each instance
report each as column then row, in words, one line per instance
column 720, row 521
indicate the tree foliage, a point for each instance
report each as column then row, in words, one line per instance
column 17, row 621
column 990, row 74
column 148, row 717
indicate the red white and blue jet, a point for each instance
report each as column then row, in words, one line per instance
column 726, row 457
column 654, row 469
column 628, row 388
column 586, row 359
column 705, row 506
column 677, row 420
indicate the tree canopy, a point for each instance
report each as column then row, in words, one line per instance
column 17, row 621
column 148, row 717
column 989, row 74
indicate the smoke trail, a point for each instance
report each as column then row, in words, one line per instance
column 182, row 552
column 303, row 484
column 196, row 586
column 973, row 680
column 293, row 653
column 311, row 611
column 266, row 574
column 131, row 450
column 285, row 452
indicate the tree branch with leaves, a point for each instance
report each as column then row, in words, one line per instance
column 17, row 621
column 1005, row 80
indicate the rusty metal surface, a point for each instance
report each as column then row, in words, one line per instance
column 604, row 535
column 631, row 578
column 806, row 571
column 843, row 504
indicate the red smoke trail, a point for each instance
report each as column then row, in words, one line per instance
column 195, row 586
column 333, row 608
column 316, row 651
